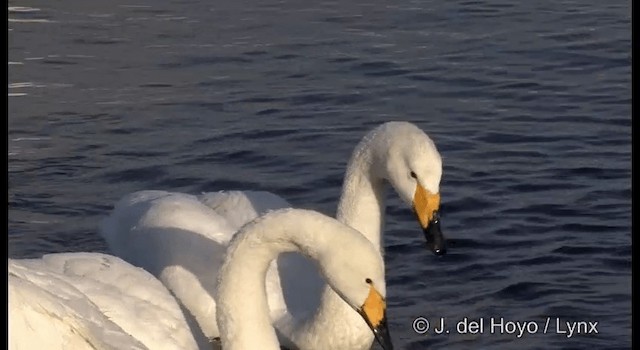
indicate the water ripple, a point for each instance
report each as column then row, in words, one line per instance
column 529, row 104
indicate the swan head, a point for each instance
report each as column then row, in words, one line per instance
column 373, row 311
column 355, row 271
column 409, row 160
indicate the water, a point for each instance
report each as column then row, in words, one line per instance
column 528, row 103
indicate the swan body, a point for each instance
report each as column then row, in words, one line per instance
column 181, row 238
column 91, row 301
column 347, row 260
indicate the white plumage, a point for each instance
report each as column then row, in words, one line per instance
column 182, row 238
column 91, row 301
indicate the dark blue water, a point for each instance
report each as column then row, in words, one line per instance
column 528, row 102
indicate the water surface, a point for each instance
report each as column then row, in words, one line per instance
column 528, row 103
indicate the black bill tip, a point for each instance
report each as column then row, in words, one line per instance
column 435, row 239
column 381, row 333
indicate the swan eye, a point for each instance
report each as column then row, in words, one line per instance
column 413, row 175
column 368, row 280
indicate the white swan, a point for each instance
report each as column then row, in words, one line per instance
column 180, row 238
column 348, row 261
column 91, row 301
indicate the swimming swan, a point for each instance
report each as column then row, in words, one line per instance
column 91, row 301
column 351, row 265
column 180, row 237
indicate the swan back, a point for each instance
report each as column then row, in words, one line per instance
column 48, row 312
column 346, row 259
column 90, row 299
column 240, row 207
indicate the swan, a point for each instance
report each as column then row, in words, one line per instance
column 180, row 238
column 91, row 301
column 352, row 266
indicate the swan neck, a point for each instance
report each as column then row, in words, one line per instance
column 362, row 202
column 243, row 311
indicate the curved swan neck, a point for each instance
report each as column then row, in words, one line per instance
column 362, row 202
column 243, row 311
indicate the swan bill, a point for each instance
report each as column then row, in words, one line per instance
column 426, row 206
column 434, row 237
column 374, row 313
